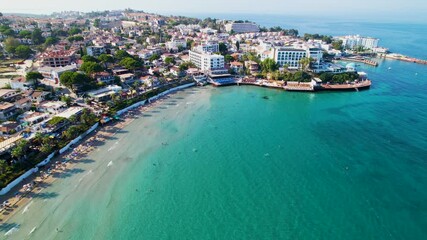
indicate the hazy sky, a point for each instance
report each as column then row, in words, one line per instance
column 318, row 7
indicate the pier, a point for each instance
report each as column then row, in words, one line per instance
column 360, row 60
column 404, row 58
column 312, row 86
column 365, row 84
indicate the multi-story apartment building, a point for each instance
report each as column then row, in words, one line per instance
column 207, row 61
column 353, row 41
column 176, row 43
column 241, row 27
column 95, row 51
column 208, row 47
column 289, row 56
column 57, row 58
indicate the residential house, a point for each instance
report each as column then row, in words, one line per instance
column 9, row 95
column 52, row 107
column 105, row 77
column 95, row 51
column 31, row 117
column 176, row 72
column 104, row 94
column 7, row 110
column 54, row 73
column 23, row 104
column 252, row 66
column 21, row 83
column 237, row 67
column 9, row 127
column 38, row 96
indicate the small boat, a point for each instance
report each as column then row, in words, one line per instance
column 389, row 68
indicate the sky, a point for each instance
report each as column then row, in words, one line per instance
column 395, row 8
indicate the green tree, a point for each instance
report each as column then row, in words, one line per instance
column 71, row 133
column 301, row 76
column 91, row 67
column 154, row 57
column 305, row 63
column 223, row 49
column 67, row 100
column 105, row 58
column 20, row 150
column 74, row 31
column 66, row 79
column 269, row 65
column 10, row 45
column 185, row 65
column 130, row 63
column 51, row 41
column 120, row 54
column 337, row 45
column 228, row 58
column 24, row 34
column 190, row 43
column 9, row 32
column 3, row 165
column 34, row 76
column 76, row 38
column 87, row 58
column 23, row 51
column 97, row 22
column 169, row 60
column 88, row 118
column 36, row 36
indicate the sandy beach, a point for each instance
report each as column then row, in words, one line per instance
column 22, row 194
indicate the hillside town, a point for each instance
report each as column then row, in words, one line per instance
column 62, row 73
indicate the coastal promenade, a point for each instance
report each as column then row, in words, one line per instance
column 306, row 86
column 347, row 87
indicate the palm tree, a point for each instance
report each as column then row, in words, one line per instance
column 3, row 166
column 20, row 150
column 305, row 63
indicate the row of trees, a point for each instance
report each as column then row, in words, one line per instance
column 324, row 38
column 35, row 35
column 14, row 47
column 289, row 32
column 339, row 78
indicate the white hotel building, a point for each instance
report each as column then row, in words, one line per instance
column 245, row 27
column 207, row 61
column 352, row 41
column 291, row 56
column 204, row 58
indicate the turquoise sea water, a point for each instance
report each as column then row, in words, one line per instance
column 227, row 163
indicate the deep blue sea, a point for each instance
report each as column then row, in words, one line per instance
column 256, row 163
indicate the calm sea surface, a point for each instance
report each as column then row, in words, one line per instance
column 227, row 163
